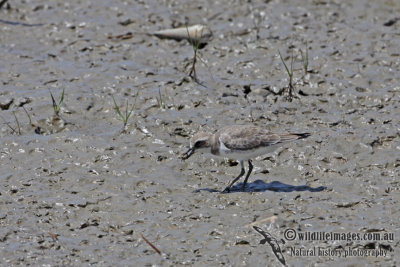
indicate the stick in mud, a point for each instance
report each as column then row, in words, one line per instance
column 151, row 245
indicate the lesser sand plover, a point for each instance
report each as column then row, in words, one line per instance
column 240, row 142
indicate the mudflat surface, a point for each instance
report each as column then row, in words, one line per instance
column 79, row 190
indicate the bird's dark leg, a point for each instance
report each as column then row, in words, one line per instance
column 227, row 189
column 248, row 173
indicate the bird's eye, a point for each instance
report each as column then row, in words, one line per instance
column 199, row 144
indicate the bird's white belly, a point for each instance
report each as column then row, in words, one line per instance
column 245, row 154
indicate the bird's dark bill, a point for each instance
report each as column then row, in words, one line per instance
column 187, row 154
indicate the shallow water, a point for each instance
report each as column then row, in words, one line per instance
column 83, row 192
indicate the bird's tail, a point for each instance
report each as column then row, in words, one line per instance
column 302, row 135
column 294, row 136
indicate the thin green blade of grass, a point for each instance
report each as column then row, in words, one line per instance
column 306, row 56
column 8, row 124
column 165, row 99
column 116, row 107
column 197, row 45
column 161, row 99
column 57, row 107
column 304, row 59
column 27, row 114
column 61, row 99
column 133, row 106
column 291, row 65
column 16, row 120
column 126, row 110
column 54, row 103
column 284, row 64
column 129, row 114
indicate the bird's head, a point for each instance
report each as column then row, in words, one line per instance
column 198, row 142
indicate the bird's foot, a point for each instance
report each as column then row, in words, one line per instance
column 226, row 190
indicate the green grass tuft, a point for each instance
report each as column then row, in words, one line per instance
column 17, row 122
column 57, row 107
column 304, row 59
column 128, row 112
column 29, row 116
column 161, row 99
column 288, row 71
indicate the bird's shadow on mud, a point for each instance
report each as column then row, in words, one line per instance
column 261, row 186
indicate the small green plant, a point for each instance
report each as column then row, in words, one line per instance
column 304, row 59
column 8, row 124
column 161, row 99
column 29, row 116
column 290, row 75
column 57, row 107
column 288, row 71
column 17, row 122
column 17, row 131
column 195, row 45
column 125, row 117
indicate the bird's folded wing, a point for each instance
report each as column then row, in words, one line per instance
column 253, row 140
